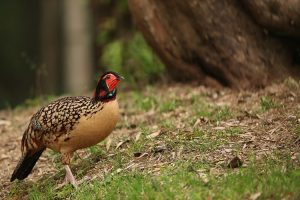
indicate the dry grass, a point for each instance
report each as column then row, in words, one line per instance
column 173, row 135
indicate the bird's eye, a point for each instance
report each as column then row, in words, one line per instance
column 107, row 77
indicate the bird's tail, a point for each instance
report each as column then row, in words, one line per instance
column 26, row 164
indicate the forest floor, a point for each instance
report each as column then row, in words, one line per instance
column 175, row 142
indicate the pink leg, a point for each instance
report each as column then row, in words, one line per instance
column 69, row 178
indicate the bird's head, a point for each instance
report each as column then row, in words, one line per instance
column 107, row 86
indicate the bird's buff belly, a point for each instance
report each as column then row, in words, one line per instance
column 79, row 140
column 90, row 130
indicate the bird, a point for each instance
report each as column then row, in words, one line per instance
column 69, row 124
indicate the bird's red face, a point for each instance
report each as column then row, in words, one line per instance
column 106, row 87
column 111, row 81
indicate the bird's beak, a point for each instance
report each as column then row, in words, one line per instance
column 121, row 77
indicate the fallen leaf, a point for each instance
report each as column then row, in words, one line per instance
column 121, row 143
column 4, row 122
column 132, row 165
column 142, row 155
column 255, row 196
column 228, row 150
column 219, row 128
column 137, row 137
column 203, row 177
column 108, row 143
column 197, row 123
column 155, row 134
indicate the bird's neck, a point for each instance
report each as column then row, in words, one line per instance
column 105, row 96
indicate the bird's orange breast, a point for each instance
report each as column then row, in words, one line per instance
column 90, row 130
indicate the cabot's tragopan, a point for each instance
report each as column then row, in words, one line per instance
column 68, row 124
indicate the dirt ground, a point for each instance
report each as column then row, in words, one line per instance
column 262, row 131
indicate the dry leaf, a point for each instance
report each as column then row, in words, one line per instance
column 155, row 134
column 219, row 128
column 137, row 137
column 108, row 143
column 121, row 143
column 255, row 196
column 197, row 123
column 228, row 150
column 203, row 177
column 140, row 155
column 4, row 122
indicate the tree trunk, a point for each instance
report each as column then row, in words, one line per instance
column 228, row 42
column 50, row 49
column 78, row 46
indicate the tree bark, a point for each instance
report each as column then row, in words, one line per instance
column 281, row 17
column 218, row 42
column 50, row 48
column 78, row 46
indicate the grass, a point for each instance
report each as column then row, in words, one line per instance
column 212, row 112
column 297, row 130
column 192, row 140
column 267, row 103
column 270, row 179
column 142, row 102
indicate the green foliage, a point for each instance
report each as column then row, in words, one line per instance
column 133, row 58
column 123, row 48
column 143, row 56
column 113, row 56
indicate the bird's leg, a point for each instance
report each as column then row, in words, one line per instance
column 69, row 178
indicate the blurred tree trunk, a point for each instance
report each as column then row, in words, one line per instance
column 77, row 46
column 235, row 43
column 47, row 78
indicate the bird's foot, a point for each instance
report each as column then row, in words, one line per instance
column 66, row 181
column 69, row 178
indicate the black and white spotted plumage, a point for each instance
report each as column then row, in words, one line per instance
column 70, row 123
column 57, row 118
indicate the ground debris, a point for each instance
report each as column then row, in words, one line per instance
column 218, row 129
column 235, row 162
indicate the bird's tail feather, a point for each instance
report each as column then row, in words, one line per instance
column 26, row 164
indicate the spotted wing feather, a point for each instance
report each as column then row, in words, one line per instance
column 62, row 115
column 57, row 118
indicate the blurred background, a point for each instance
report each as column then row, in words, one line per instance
column 55, row 47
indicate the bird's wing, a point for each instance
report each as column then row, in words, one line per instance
column 62, row 115
column 58, row 117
